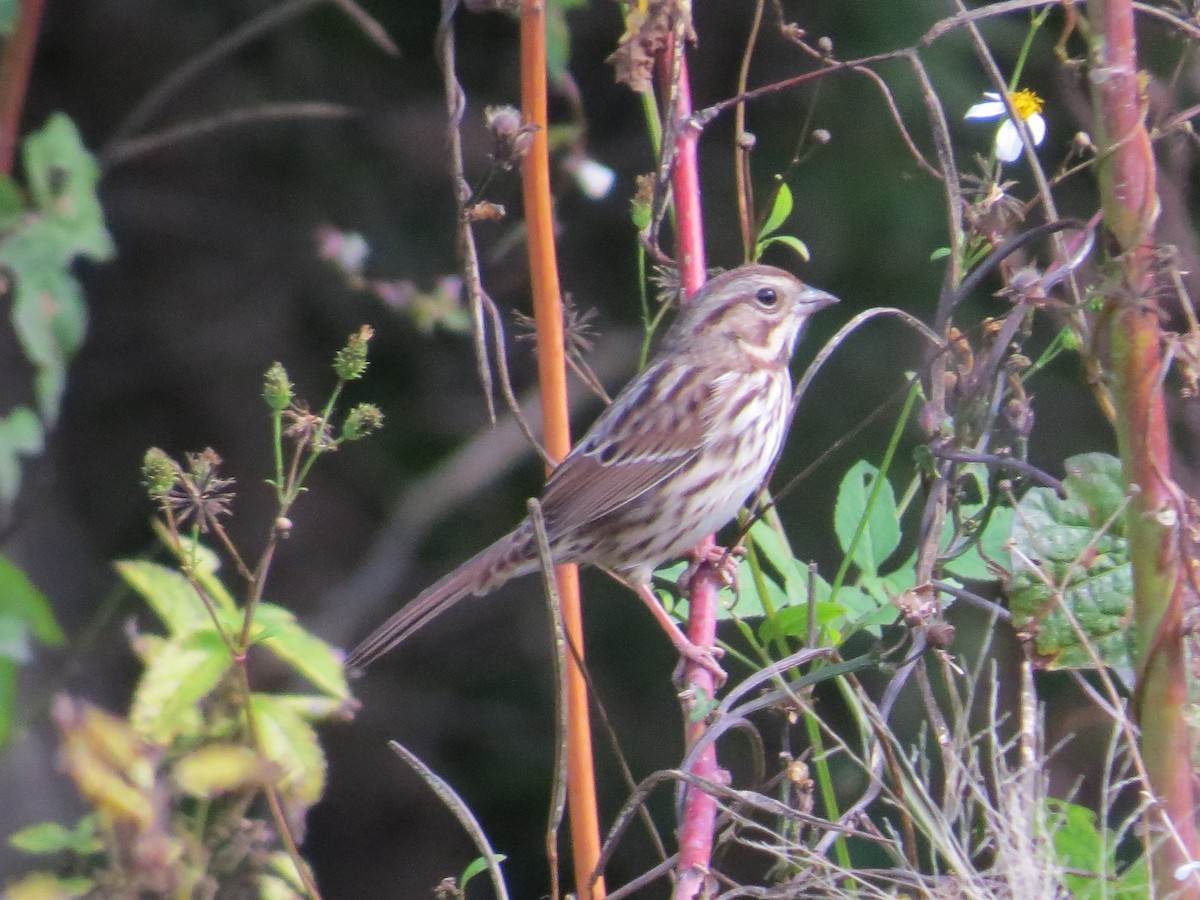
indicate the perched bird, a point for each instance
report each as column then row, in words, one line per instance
column 671, row 460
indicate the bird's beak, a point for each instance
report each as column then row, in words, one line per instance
column 813, row 300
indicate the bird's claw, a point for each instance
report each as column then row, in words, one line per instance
column 704, row 657
column 725, row 561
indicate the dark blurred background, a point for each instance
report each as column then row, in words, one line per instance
column 217, row 275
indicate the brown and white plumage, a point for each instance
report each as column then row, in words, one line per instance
column 672, row 459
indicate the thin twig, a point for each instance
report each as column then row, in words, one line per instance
column 118, row 152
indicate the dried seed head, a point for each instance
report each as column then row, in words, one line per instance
column 511, row 137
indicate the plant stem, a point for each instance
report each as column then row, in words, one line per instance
column 1126, row 171
column 547, row 305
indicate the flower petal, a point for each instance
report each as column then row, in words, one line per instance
column 594, row 179
column 989, row 109
column 1008, row 142
column 1037, row 129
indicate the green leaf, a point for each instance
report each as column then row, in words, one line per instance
column 939, row 253
column 558, row 43
column 787, row 240
column 477, row 866
column 780, row 210
column 46, row 838
column 20, row 600
column 8, row 698
column 992, row 545
column 44, row 886
column 20, row 435
column 880, row 535
column 172, row 597
column 49, row 314
column 1080, row 847
column 8, row 17
column 62, row 184
column 12, row 200
column 176, row 680
column 290, row 741
column 276, row 629
column 1069, row 544
column 1098, row 481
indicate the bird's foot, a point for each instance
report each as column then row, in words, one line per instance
column 705, row 657
column 725, row 561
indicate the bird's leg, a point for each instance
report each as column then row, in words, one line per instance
column 706, row 657
column 725, row 561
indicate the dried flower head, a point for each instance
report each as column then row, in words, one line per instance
column 199, row 492
column 511, row 136
column 307, row 428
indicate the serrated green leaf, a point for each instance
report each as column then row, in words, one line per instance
column 1063, row 539
column 175, row 682
column 62, row 178
column 290, row 742
column 277, row 630
column 787, row 240
column 49, row 314
column 881, row 534
column 780, row 210
column 19, row 599
column 205, row 564
column 172, row 597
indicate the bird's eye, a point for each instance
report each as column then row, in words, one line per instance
column 766, row 297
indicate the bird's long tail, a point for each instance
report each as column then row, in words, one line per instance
column 484, row 572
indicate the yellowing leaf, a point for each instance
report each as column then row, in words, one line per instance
column 219, row 768
column 181, row 675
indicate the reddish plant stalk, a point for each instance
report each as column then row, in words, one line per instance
column 1126, row 172
column 14, row 78
column 699, row 809
column 548, row 314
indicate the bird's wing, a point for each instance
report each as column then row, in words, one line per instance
column 654, row 428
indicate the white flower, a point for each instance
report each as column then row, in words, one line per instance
column 594, row 179
column 1028, row 106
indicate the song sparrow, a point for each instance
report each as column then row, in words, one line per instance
column 673, row 458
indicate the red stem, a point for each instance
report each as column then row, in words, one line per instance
column 699, row 810
column 14, row 78
column 1126, row 171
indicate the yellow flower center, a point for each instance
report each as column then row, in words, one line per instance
column 1026, row 103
